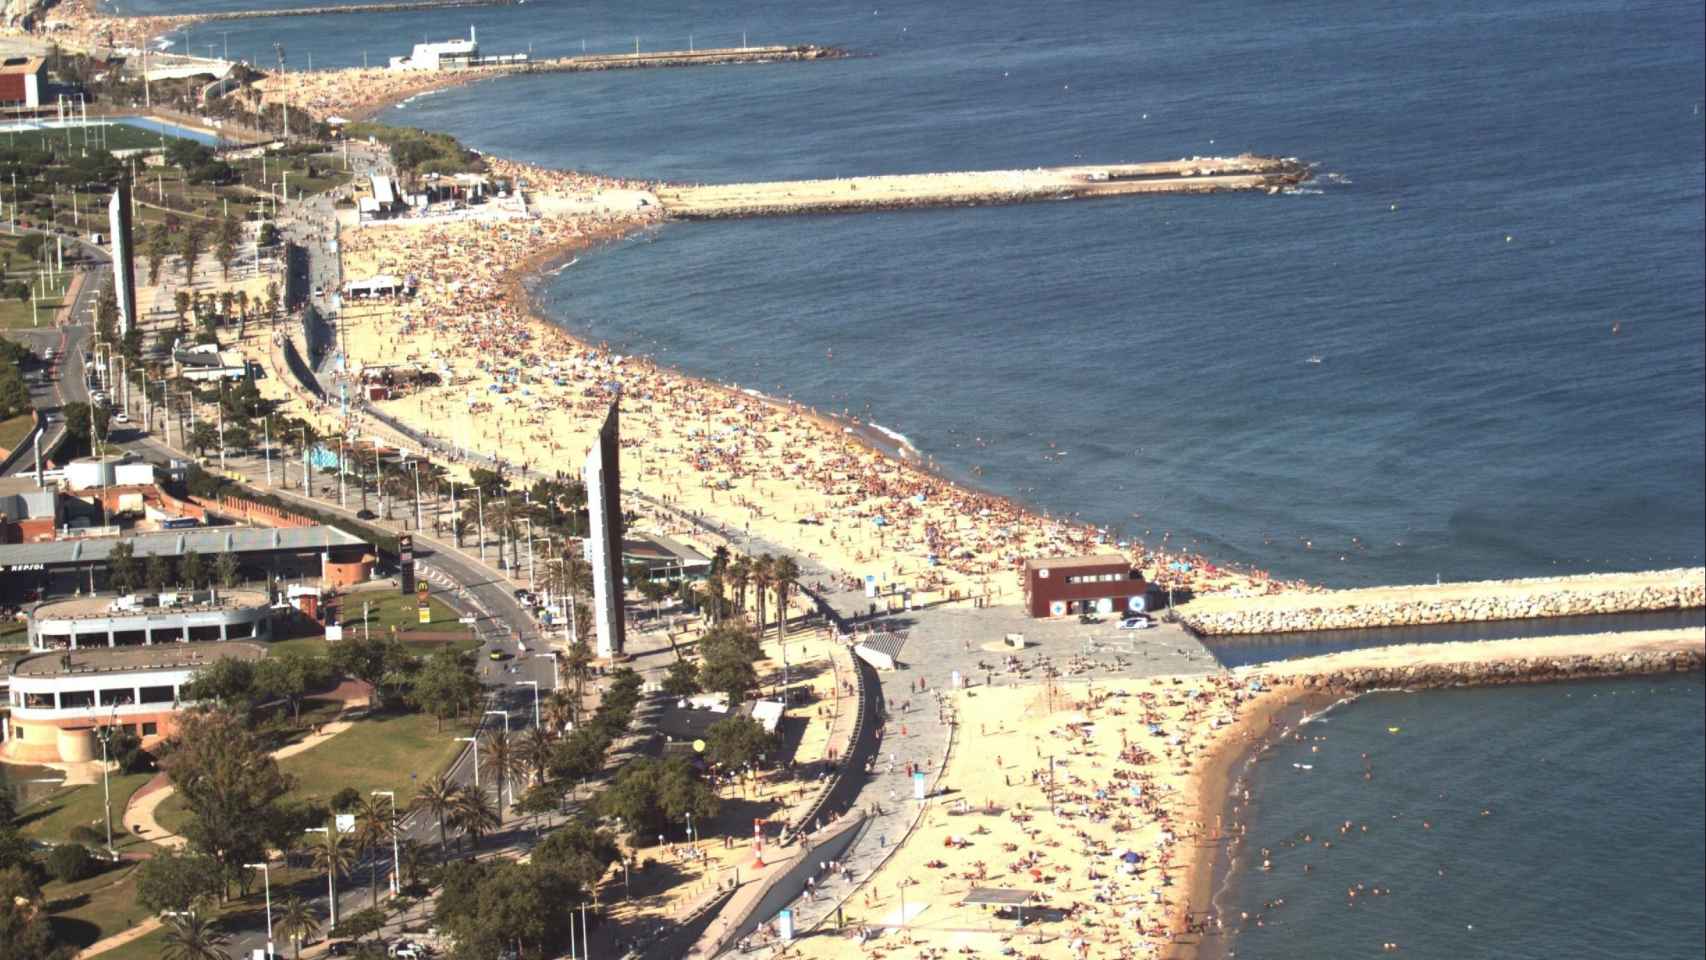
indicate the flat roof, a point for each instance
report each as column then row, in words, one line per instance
column 999, row 897
column 656, row 546
column 22, row 64
column 1069, row 563
column 101, row 605
column 159, row 656
column 175, row 543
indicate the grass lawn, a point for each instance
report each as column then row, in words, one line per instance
column 17, row 314
column 378, row 753
column 94, row 908
column 387, row 609
column 384, row 752
column 53, row 818
column 12, row 433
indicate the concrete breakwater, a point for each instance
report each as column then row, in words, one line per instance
column 678, row 58
column 979, row 188
column 1681, row 589
column 318, row 11
column 1537, row 669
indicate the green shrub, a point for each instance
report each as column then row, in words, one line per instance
column 87, row 836
column 71, row 862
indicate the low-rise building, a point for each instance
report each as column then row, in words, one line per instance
column 22, row 82
column 138, row 620
column 60, row 699
column 59, row 568
column 1103, row 584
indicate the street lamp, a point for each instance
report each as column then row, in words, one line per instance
column 331, row 870
column 266, row 879
column 535, row 685
column 476, row 742
column 505, row 714
column 396, row 859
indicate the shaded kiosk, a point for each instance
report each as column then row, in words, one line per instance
column 1002, row 900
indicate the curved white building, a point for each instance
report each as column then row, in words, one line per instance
column 58, row 699
column 145, row 620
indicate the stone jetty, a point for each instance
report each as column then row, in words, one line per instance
column 334, row 8
column 980, row 188
column 1483, row 663
column 1679, row 589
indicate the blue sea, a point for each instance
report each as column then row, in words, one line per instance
column 1552, row 822
column 1498, row 269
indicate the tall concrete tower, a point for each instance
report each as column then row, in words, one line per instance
column 124, row 256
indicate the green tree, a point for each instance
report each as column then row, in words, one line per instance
column 333, row 856
column 24, row 930
column 158, row 248
column 230, row 783
column 225, row 249
column 290, row 676
column 123, row 570
column 445, row 686
column 438, row 796
column 14, row 392
column 737, row 741
column 77, row 414
column 579, row 851
column 784, row 573
column 373, row 829
column 366, row 659
column 225, row 570
column 190, row 245
column 174, row 879
column 193, row 569
column 649, row 794
column 228, row 681
column 501, row 760
column 296, row 923
column 682, row 679
column 474, row 815
column 157, row 572
column 193, row 937
column 203, row 436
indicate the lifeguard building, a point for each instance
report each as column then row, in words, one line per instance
column 1103, row 584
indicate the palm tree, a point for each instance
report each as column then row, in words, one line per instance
column 190, row 937
column 535, row 751
column 372, row 829
column 438, row 797
column 500, row 759
column 296, row 923
column 332, row 858
column 786, row 573
column 558, row 711
column 763, row 575
column 740, row 574
column 714, row 595
column 474, row 816
column 411, row 857
column 578, row 658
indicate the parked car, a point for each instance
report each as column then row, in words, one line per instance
column 366, row 514
column 1139, row 622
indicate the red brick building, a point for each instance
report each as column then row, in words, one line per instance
column 1062, row 586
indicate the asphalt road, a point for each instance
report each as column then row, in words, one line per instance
column 64, row 381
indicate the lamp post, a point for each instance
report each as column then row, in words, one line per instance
column 396, row 858
column 266, row 880
column 331, row 884
column 535, row 685
column 476, row 742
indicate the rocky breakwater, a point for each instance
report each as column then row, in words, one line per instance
column 1682, row 589
column 1502, row 672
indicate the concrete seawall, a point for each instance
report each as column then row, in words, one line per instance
column 1680, row 589
column 332, row 8
column 980, row 188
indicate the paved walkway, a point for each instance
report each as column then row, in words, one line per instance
column 140, row 814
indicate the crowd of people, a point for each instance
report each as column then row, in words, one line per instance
column 523, row 390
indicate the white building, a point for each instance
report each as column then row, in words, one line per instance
column 449, row 55
column 60, row 699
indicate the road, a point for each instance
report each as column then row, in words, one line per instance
column 63, row 382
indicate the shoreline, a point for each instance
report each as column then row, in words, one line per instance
column 1303, row 689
